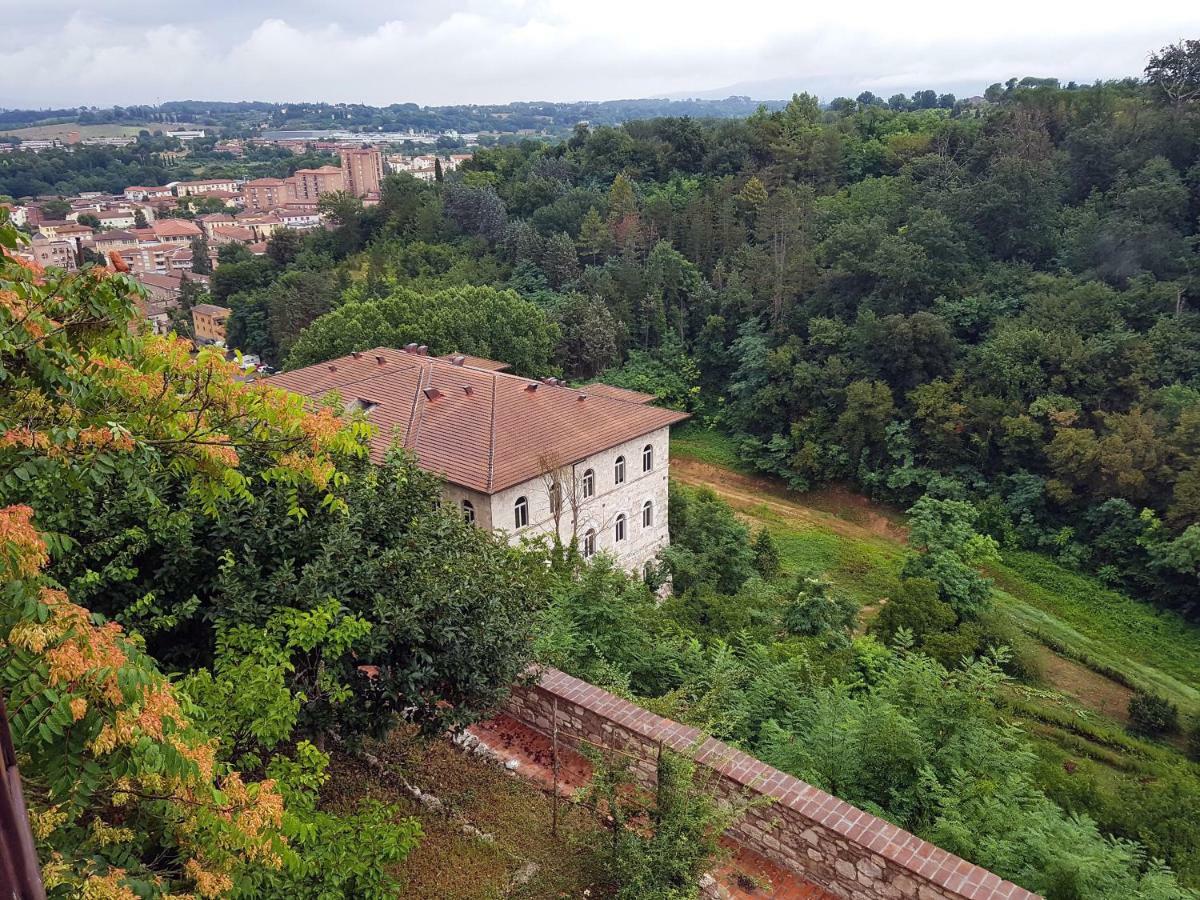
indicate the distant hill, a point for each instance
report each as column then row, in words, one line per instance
column 532, row 116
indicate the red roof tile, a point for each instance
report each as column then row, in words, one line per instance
column 474, row 426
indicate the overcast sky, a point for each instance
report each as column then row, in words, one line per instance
column 63, row 53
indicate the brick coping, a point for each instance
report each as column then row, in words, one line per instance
column 924, row 860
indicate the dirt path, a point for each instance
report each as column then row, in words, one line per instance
column 1093, row 690
column 835, row 509
column 855, row 516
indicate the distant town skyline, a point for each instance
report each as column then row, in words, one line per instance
column 470, row 51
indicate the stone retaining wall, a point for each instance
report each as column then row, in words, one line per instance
column 832, row 844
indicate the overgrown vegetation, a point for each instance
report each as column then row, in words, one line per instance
column 924, row 737
column 207, row 526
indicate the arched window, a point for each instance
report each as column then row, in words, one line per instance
column 647, row 457
column 555, row 498
column 620, row 529
column 589, row 483
column 589, row 543
column 521, row 512
column 468, row 511
column 647, row 514
column 619, row 471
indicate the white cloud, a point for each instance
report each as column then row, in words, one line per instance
column 478, row 51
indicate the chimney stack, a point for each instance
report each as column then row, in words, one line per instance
column 432, row 393
column 531, row 387
column 422, row 350
column 410, row 348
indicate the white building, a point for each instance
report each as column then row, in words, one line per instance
column 516, row 455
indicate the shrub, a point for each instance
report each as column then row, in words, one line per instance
column 659, row 849
column 815, row 610
column 766, row 554
column 915, row 606
column 1152, row 715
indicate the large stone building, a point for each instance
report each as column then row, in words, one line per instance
column 517, row 455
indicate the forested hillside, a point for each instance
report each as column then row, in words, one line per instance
column 995, row 304
column 986, row 315
column 111, row 170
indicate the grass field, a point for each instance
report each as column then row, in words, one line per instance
column 1121, row 643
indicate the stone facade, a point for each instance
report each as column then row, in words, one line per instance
column 846, row 851
column 597, row 513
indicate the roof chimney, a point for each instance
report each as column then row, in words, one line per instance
column 382, row 360
column 410, row 348
column 457, row 360
column 550, row 381
column 531, row 387
column 581, row 397
column 422, row 350
column 468, row 390
column 333, row 368
column 432, row 393
column 356, row 355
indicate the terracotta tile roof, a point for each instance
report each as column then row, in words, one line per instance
column 598, row 389
column 175, row 228
column 166, row 282
column 233, row 233
column 115, row 236
column 476, row 427
column 211, row 309
column 476, row 362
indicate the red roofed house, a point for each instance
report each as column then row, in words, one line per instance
column 522, row 456
column 179, row 231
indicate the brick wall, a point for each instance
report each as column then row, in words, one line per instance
column 829, row 842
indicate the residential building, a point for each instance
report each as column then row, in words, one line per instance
column 310, row 184
column 211, row 220
column 206, row 186
column 524, row 457
column 148, row 257
column 179, row 231
column 262, row 194
column 362, row 171
column 117, row 218
column 137, row 192
column 114, row 240
column 52, row 251
column 186, row 135
column 262, row 225
column 208, row 323
column 78, row 236
column 220, row 235
column 298, row 218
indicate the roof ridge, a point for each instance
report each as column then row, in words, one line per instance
column 491, row 473
column 410, row 440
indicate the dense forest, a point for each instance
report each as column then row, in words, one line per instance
column 66, row 172
column 994, row 305
column 983, row 314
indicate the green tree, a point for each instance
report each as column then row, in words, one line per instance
column 481, row 321
column 589, row 336
column 949, row 552
column 709, row 546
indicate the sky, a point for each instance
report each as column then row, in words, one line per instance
column 435, row 52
